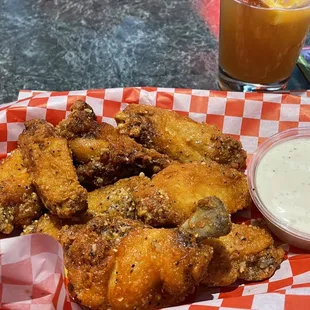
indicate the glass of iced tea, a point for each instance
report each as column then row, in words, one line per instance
column 260, row 41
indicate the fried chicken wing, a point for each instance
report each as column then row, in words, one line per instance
column 116, row 263
column 119, row 199
column 49, row 163
column 178, row 136
column 247, row 253
column 210, row 218
column 19, row 203
column 173, row 193
column 171, row 196
column 103, row 155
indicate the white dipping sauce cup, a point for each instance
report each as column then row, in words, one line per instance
column 277, row 225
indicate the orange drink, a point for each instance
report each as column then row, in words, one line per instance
column 260, row 41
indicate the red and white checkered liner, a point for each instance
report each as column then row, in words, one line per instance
column 32, row 274
column 31, row 266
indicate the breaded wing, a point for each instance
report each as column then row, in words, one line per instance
column 120, row 199
column 178, row 136
column 174, row 192
column 116, row 263
column 172, row 195
column 49, row 163
column 102, row 154
column 247, row 253
column 19, row 203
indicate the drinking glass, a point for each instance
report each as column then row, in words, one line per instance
column 260, row 41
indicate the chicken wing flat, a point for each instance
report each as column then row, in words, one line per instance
column 49, row 163
column 19, row 203
column 103, row 155
column 116, row 263
column 247, row 253
column 178, row 136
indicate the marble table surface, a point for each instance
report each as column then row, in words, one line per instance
column 82, row 44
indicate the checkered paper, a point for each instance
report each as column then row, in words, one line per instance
column 249, row 117
column 32, row 274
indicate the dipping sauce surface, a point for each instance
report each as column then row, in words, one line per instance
column 283, row 182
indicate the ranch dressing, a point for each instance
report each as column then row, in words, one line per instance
column 283, row 182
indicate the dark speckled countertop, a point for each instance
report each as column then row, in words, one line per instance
column 76, row 44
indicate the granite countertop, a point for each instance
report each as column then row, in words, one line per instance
column 82, row 44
